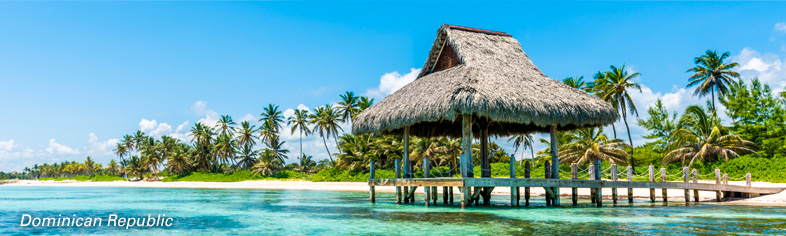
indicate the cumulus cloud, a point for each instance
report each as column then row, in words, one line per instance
column 769, row 67
column 780, row 27
column 100, row 148
column 392, row 81
column 211, row 117
column 60, row 149
column 154, row 129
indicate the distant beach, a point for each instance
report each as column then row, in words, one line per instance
column 675, row 195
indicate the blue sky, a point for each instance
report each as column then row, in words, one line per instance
column 76, row 76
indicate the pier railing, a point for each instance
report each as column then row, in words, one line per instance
column 592, row 177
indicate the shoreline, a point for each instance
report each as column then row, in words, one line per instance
column 675, row 195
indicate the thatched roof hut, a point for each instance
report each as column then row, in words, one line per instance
column 487, row 75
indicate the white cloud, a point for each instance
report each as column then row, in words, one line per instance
column 769, row 67
column 59, row 149
column 211, row 117
column 392, row 81
column 154, row 129
column 99, row 148
column 248, row 117
column 780, row 27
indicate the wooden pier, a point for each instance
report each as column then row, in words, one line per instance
column 720, row 187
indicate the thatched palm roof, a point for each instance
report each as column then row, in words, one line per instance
column 493, row 80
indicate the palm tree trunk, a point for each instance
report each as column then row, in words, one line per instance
column 328, row 150
column 630, row 139
column 614, row 129
column 301, row 143
column 713, row 100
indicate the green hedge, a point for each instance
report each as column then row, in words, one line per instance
column 342, row 175
column 238, row 176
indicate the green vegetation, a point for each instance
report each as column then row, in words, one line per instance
column 85, row 178
column 238, row 176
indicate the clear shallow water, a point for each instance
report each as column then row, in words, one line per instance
column 286, row 212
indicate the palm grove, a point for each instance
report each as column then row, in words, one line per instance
column 697, row 137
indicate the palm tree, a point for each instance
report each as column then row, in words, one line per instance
column 590, row 144
column 701, row 137
column 128, row 142
column 348, row 106
column 245, row 136
column 600, row 86
column 299, row 121
column 273, row 115
column 225, row 148
column 120, row 150
column 305, row 163
column 617, row 91
column 112, row 166
column 524, row 141
column 278, row 150
column 364, row 103
column 139, row 137
column 711, row 74
column 325, row 121
column 267, row 164
column 247, row 157
column 201, row 137
column 354, row 152
column 89, row 166
column 578, row 83
column 226, row 125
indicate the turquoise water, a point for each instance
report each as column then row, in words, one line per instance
column 286, row 212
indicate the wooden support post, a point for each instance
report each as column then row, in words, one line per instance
column 695, row 180
column 371, row 177
column 426, row 189
column 485, row 164
column 614, row 178
column 555, row 162
column 406, row 163
column 466, row 158
column 397, row 162
column 450, row 195
column 725, row 178
column 652, row 179
column 717, row 181
column 591, row 170
column 445, row 195
column 434, row 194
column 574, row 174
column 514, row 190
column 527, row 168
column 630, row 178
column 748, row 179
column 549, row 191
column 686, row 179
column 664, row 180
column 599, row 197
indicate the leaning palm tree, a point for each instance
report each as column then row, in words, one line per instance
column 701, row 137
column 299, row 121
column 325, row 120
column 590, row 144
column 524, row 141
column 600, row 86
column 711, row 74
column 348, row 106
column 617, row 91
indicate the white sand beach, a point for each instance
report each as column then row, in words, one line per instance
column 676, row 195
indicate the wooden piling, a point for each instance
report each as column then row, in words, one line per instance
column 547, row 175
column 371, row 177
column 434, row 194
column 397, row 163
column 726, row 178
column 695, row 180
column 514, row 191
column 748, row 179
column 718, row 182
column 591, row 170
column 445, row 195
column 614, row 178
column 527, row 168
column 426, row 189
column 685, row 179
column 652, row 179
column 630, row 178
column 406, row 164
column 599, row 197
column 664, row 180
column 554, row 162
column 465, row 159
column 574, row 168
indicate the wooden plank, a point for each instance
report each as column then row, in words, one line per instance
column 718, row 182
column 514, row 191
column 630, row 179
